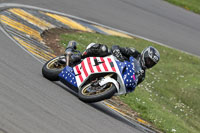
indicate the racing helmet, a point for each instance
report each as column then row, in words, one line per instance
column 149, row 57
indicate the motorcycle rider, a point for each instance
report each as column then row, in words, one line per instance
column 147, row 58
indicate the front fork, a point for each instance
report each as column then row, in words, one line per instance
column 68, row 56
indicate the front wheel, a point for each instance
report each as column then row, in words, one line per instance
column 90, row 93
column 51, row 69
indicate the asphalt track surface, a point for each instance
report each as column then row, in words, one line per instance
column 30, row 103
column 153, row 19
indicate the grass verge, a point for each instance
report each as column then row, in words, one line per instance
column 169, row 96
column 192, row 5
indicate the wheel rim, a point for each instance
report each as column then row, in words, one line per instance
column 88, row 90
column 51, row 64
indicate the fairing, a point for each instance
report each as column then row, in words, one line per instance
column 79, row 74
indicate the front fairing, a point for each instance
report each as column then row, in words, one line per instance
column 68, row 75
column 78, row 75
column 90, row 66
column 127, row 71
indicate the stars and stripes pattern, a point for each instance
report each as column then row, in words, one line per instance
column 68, row 75
column 92, row 65
column 126, row 69
column 77, row 75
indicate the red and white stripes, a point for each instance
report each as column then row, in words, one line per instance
column 92, row 65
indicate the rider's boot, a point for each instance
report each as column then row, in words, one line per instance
column 72, row 45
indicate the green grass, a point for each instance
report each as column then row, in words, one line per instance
column 169, row 96
column 192, row 5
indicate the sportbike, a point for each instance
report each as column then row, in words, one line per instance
column 95, row 78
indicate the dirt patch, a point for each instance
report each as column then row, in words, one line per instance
column 52, row 39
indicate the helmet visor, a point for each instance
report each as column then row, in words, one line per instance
column 149, row 63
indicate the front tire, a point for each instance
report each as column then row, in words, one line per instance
column 50, row 71
column 89, row 95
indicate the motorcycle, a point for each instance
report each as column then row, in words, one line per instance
column 95, row 78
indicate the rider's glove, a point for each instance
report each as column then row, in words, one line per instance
column 118, row 55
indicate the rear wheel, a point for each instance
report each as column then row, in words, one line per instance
column 93, row 92
column 51, row 69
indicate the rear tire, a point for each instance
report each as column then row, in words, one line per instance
column 90, row 97
column 49, row 71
